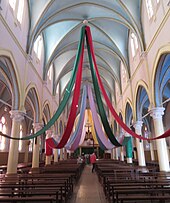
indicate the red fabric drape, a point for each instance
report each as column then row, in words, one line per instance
column 115, row 115
column 72, row 115
column 49, row 150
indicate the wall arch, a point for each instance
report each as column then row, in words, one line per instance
column 162, row 52
column 32, row 93
column 9, row 70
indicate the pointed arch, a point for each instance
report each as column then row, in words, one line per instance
column 9, row 71
column 31, row 93
column 160, row 58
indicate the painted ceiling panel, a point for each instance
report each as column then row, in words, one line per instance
column 60, row 21
column 62, row 60
column 54, row 33
column 117, row 33
column 134, row 8
column 36, row 9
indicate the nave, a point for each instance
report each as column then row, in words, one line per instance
column 88, row 188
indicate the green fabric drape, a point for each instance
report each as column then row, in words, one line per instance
column 129, row 147
column 66, row 94
column 99, row 101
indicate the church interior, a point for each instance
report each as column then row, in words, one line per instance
column 82, row 78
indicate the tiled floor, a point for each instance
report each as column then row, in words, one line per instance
column 88, row 189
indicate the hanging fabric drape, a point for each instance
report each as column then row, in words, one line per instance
column 115, row 115
column 72, row 115
column 97, row 123
column 48, row 150
column 75, row 138
column 99, row 102
column 83, row 132
column 98, row 127
column 65, row 98
column 96, row 80
column 100, row 143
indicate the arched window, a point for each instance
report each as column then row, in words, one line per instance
column 149, row 7
column 134, row 44
column 50, row 72
column 38, row 46
column 12, row 3
column 18, row 8
column 3, row 130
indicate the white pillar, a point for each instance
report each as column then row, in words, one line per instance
column 17, row 117
column 61, row 154
column 48, row 158
column 122, row 154
column 116, row 154
column 65, row 154
column 139, row 143
column 55, row 155
column 80, row 151
column 152, row 151
column 26, row 144
column 112, row 154
column 162, row 151
column 36, row 147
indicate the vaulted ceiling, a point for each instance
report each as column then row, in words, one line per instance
column 60, row 22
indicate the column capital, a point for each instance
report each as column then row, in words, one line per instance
column 157, row 112
column 17, row 115
column 49, row 133
column 138, row 124
column 37, row 126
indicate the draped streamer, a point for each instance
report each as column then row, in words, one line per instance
column 98, row 97
column 72, row 115
column 97, row 124
column 100, row 103
column 48, row 150
column 77, row 134
column 83, row 132
column 123, row 140
column 115, row 115
column 65, row 98
column 100, row 143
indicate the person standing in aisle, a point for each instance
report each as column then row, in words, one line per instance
column 93, row 161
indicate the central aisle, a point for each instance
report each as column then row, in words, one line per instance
column 88, row 189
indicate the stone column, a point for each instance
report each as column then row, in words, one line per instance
column 122, row 154
column 162, row 151
column 80, row 151
column 65, row 154
column 112, row 154
column 139, row 143
column 61, row 154
column 152, row 151
column 17, row 117
column 116, row 154
column 55, row 156
column 36, row 148
column 48, row 158
column 26, row 144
